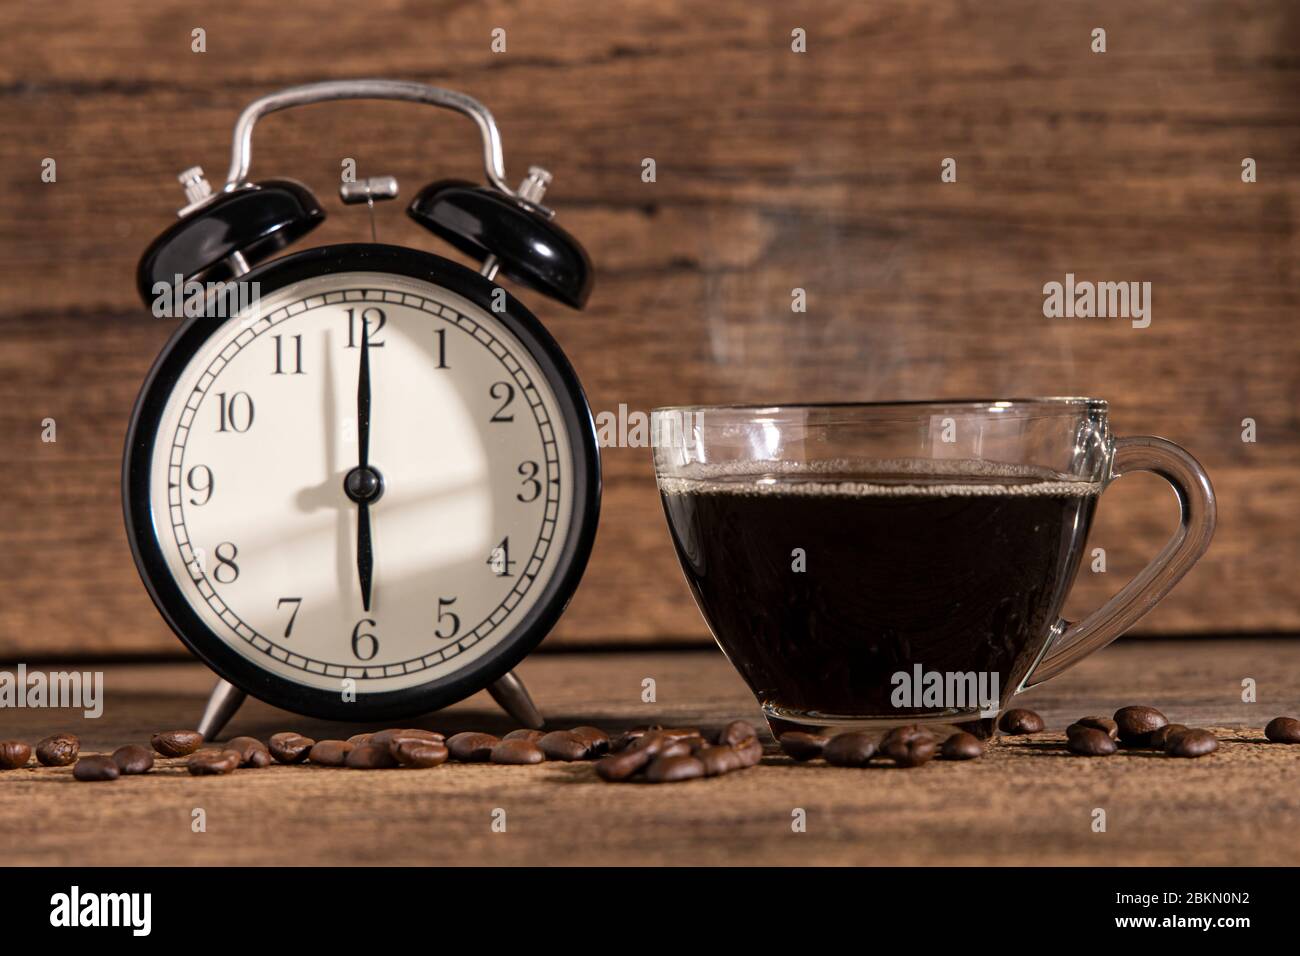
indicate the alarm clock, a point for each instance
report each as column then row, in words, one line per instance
column 361, row 482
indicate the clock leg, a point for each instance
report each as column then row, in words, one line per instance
column 222, row 704
column 512, row 696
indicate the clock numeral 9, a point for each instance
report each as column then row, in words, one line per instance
column 499, row 560
column 359, row 637
column 375, row 320
column 226, row 571
column 205, row 489
column 503, row 392
column 532, row 484
column 236, row 412
column 447, row 619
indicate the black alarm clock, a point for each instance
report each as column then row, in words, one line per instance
column 361, row 481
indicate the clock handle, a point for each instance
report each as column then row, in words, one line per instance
column 222, row 705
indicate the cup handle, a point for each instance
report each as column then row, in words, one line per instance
column 1075, row 641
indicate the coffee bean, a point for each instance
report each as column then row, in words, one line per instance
column 1192, row 743
column 1160, row 739
column 911, row 750
column 1091, row 742
column 562, row 745
column 719, row 759
column 627, row 738
column 678, row 733
column 1104, row 724
column 393, row 739
column 674, row 769
column 750, row 752
column 357, row 740
column 252, row 752
column 95, row 767
column 1283, row 730
column 59, row 750
column 133, row 759
column 597, row 740
column 177, row 743
column 682, row 747
column 1018, row 722
column 471, row 747
column 735, row 732
column 962, row 746
column 533, row 735
column 852, row 749
column 330, row 753
column 421, row 753
column 370, row 756
column 14, row 754
column 622, row 765
column 288, row 747
column 800, row 746
column 517, row 752
column 1136, row 724
column 210, row 763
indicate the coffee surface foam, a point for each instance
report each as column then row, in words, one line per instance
column 885, row 478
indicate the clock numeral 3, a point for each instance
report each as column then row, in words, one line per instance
column 226, row 571
column 503, row 392
column 236, row 412
column 533, row 486
column 204, row 489
column 375, row 320
column 359, row 637
column 296, row 356
column 448, row 619
column 499, row 560
column 297, row 606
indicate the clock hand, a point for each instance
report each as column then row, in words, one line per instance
column 365, row 558
column 365, row 561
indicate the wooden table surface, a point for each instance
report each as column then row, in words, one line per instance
column 1025, row 802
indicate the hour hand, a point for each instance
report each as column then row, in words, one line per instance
column 365, row 559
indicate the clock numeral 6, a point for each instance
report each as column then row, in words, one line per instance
column 359, row 637
column 226, row 571
column 192, row 478
column 503, row 392
column 236, row 412
column 375, row 320
column 531, row 483
column 447, row 619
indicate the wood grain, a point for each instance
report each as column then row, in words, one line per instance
column 774, row 171
column 1025, row 802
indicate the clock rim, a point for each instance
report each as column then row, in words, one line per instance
column 244, row 673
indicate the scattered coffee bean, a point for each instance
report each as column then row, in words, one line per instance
column 210, row 763
column 909, row 749
column 800, row 746
column 853, row 749
column 533, row 735
column 288, row 747
column 750, row 752
column 133, row 759
column 735, row 732
column 719, row 759
column 393, row 739
column 357, row 740
column 59, row 750
column 1136, row 723
column 472, row 747
column 622, row 765
column 597, row 740
column 1160, row 739
column 627, row 738
column 674, row 769
column 252, row 752
column 14, row 754
column 1105, row 724
column 177, row 743
column 370, row 756
column 330, row 753
column 562, row 745
column 517, row 752
column 95, row 767
column 1192, row 743
column 1018, row 722
column 1283, row 730
column 962, row 746
column 421, row 753
column 1091, row 742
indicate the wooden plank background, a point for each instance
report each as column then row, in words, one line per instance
column 775, row 170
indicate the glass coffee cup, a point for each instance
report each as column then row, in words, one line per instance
column 870, row 565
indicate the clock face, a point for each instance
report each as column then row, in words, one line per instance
column 259, row 430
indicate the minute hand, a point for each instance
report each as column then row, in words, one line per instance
column 365, row 559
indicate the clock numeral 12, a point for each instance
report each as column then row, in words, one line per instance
column 375, row 320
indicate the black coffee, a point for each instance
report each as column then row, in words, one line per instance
column 902, row 566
